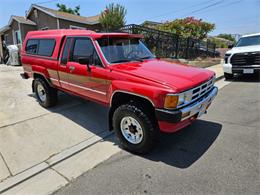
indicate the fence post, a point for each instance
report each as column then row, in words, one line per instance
column 187, row 48
column 207, row 51
column 177, row 47
column 214, row 50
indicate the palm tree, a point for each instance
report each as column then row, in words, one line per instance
column 113, row 17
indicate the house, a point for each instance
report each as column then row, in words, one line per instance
column 43, row 18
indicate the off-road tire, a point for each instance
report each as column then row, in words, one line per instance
column 51, row 93
column 147, row 122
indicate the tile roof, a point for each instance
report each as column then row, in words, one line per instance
column 23, row 20
column 4, row 28
column 70, row 17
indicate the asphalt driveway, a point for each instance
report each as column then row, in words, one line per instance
column 217, row 154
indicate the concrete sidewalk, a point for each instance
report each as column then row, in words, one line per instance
column 42, row 150
column 218, row 70
column 33, row 140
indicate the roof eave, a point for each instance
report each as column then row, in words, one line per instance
column 55, row 16
column 39, row 8
column 89, row 23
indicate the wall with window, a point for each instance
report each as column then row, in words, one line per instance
column 43, row 20
column 16, row 33
column 65, row 24
column 8, row 37
column 25, row 28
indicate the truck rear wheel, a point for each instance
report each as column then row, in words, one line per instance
column 46, row 95
column 135, row 130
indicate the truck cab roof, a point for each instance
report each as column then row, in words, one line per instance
column 73, row 32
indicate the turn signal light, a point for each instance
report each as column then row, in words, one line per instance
column 171, row 101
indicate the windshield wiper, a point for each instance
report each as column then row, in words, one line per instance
column 127, row 60
column 146, row 57
column 122, row 60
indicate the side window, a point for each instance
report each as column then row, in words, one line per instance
column 32, row 46
column 83, row 47
column 46, row 47
column 42, row 47
column 96, row 60
column 65, row 54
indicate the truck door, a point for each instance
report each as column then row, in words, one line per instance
column 63, row 68
column 89, row 82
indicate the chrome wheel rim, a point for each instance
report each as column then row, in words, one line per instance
column 41, row 92
column 131, row 130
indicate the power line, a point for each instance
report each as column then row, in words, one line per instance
column 223, row 5
column 43, row 2
column 179, row 10
column 206, row 7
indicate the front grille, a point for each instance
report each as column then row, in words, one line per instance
column 245, row 59
column 197, row 92
column 202, row 89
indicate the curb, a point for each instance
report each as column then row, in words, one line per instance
column 67, row 153
column 219, row 78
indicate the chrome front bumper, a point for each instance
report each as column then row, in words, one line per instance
column 199, row 107
column 196, row 109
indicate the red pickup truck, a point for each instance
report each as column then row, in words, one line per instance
column 145, row 94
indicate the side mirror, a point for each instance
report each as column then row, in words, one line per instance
column 85, row 61
column 230, row 46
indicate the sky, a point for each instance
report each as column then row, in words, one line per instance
column 229, row 16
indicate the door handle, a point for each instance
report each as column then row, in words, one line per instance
column 72, row 68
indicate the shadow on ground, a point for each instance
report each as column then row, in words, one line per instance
column 179, row 149
column 185, row 147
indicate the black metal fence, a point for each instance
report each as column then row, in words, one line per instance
column 169, row 45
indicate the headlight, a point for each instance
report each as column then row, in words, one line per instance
column 226, row 58
column 174, row 100
column 181, row 98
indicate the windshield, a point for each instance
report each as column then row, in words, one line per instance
column 248, row 41
column 118, row 49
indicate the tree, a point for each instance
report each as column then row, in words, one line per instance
column 113, row 17
column 228, row 37
column 64, row 8
column 188, row 27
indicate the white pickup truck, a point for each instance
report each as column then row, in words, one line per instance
column 244, row 57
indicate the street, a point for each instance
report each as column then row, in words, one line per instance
column 219, row 153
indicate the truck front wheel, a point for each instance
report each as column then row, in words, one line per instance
column 135, row 130
column 46, row 95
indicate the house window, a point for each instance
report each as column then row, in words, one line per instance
column 6, row 38
column 35, row 13
column 18, row 38
column 77, row 27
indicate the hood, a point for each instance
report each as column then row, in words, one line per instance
column 244, row 49
column 177, row 76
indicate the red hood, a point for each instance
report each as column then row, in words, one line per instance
column 179, row 77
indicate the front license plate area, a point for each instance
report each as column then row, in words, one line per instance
column 203, row 108
column 248, row 71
